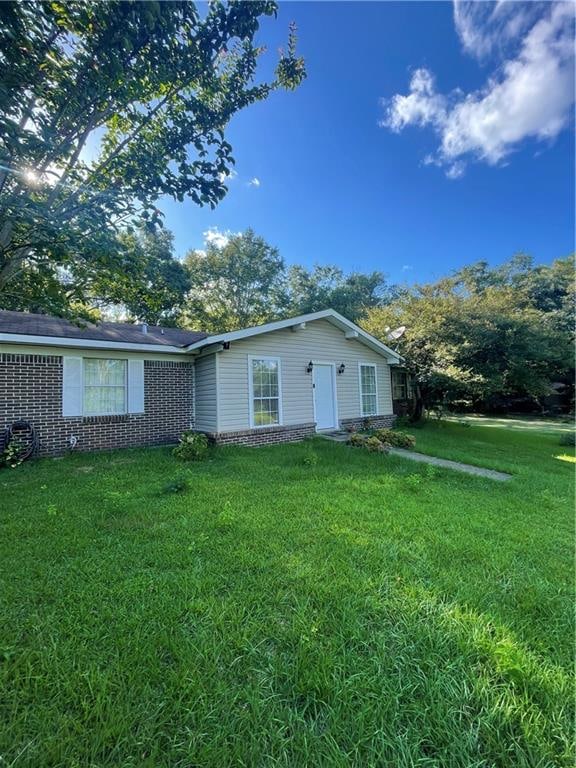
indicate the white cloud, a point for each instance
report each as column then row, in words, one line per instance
column 407, row 268
column 213, row 236
column 530, row 96
column 230, row 176
column 255, row 182
column 485, row 28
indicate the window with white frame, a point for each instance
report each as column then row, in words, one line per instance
column 368, row 392
column 105, row 384
column 265, row 391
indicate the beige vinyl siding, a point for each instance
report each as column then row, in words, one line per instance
column 206, row 386
column 319, row 341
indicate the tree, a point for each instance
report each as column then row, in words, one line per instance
column 327, row 287
column 153, row 284
column 482, row 333
column 147, row 87
column 234, row 285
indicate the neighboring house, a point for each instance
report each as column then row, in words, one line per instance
column 115, row 385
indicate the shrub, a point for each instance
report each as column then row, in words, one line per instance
column 374, row 445
column 11, row 456
column 193, row 446
column 395, row 438
column 370, row 443
column 568, row 439
column 366, row 423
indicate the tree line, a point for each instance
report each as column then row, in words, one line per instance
column 486, row 336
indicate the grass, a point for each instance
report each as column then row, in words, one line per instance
column 304, row 605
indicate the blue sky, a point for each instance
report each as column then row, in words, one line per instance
column 352, row 176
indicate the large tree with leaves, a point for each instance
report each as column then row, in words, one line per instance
column 235, row 284
column 152, row 285
column 328, row 287
column 104, row 108
column 485, row 332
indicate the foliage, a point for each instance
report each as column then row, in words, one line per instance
column 241, row 280
column 11, row 456
column 396, row 438
column 375, row 445
column 327, row 287
column 568, row 438
column 370, row 442
column 152, row 285
column 192, row 446
column 235, row 285
column 484, row 332
column 359, row 623
column 104, row 109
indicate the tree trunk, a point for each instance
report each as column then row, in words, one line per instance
column 418, row 412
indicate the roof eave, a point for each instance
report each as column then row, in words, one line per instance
column 60, row 341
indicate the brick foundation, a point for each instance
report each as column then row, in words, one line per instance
column 376, row 422
column 265, row 435
column 31, row 389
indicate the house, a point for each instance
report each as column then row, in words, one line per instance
column 111, row 385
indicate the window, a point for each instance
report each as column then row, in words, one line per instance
column 265, row 395
column 399, row 385
column 105, row 385
column 368, row 393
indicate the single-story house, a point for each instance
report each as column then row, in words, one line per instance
column 110, row 385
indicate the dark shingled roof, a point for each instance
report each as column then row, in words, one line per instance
column 44, row 325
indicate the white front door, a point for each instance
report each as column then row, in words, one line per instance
column 324, row 399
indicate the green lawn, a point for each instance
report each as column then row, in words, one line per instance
column 362, row 610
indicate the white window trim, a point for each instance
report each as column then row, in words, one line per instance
column 108, row 413
column 367, row 365
column 268, row 359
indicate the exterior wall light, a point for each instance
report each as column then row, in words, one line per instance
column 341, row 368
column 309, row 367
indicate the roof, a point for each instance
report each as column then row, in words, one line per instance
column 30, row 325
column 28, row 328
column 351, row 330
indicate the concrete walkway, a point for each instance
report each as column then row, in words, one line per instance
column 339, row 436
column 447, row 464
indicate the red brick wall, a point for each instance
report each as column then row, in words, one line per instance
column 31, row 389
column 376, row 422
column 264, row 435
